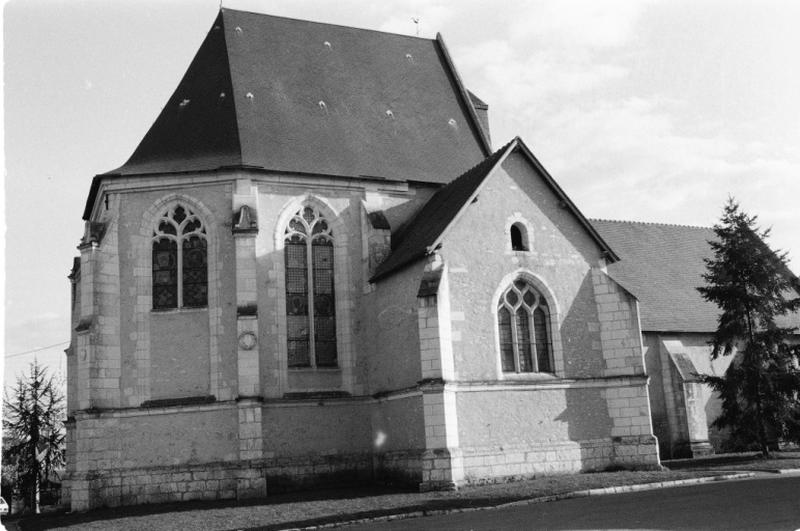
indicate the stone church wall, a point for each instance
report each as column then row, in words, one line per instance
column 172, row 424
column 118, row 451
column 683, row 410
column 561, row 255
column 391, row 332
column 276, row 205
column 592, row 412
column 197, row 343
column 398, row 437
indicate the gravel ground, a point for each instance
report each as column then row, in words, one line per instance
column 307, row 508
column 342, row 504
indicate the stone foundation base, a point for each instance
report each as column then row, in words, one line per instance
column 499, row 464
column 212, row 481
column 402, row 467
column 442, row 469
column 435, row 469
column 209, row 481
column 691, row 449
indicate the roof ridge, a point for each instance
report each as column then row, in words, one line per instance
column 408, row 248
column 324, row 23
column 485, row 161
column 656, row 223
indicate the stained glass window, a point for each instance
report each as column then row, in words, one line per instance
column 165, row 274
column 524, row 338
column 180, row 260
column 506, row 340
column 310, row 300
column 542, row 341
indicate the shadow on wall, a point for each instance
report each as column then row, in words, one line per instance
column 580, row 336
column 718, row 437
column 589, row 425
column 587, row 411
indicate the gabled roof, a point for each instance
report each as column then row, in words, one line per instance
column 661, row 265
column 297, row 96
column 425, row 232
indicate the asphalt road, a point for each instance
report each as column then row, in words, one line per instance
column 760, row 503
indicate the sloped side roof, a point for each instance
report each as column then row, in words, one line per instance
column 315, row 98
column 662, row 265
column 440, row 210
column 427, row 228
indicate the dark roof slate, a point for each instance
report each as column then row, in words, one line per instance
column 661, row 265
column 197, row 129
column 308, row 97
column 435, row 216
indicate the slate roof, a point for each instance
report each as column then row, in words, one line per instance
column 435, row 216
column 423, row 233
column 662, row 265
column 297, row 96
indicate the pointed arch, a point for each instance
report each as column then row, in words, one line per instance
column 291, row 207
column 180, row 259
column 526, row 316
column 142, row 245
column 310, row 235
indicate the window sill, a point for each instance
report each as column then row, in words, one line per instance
column 193, row 309
column 536, row 376
column 315, row 369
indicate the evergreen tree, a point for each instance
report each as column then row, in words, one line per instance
column 755, row 291
column 33, row 426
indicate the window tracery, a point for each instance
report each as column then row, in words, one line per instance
column 180, row 260
column 310, row 299
column 522, row 318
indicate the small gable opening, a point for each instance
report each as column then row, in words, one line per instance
column 519, row 237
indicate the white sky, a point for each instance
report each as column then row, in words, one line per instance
column 641, row 110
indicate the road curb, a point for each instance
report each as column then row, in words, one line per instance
column 529, row 501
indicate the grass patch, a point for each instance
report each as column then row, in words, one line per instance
column 744, row 461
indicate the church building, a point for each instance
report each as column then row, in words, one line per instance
column 315, row 269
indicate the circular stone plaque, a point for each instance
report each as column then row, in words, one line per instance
column 247, row 340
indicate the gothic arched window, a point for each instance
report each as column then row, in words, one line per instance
column 310, row 303
column 180, row 261
column 522, row 319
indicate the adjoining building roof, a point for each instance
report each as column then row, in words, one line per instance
column 424, row 233
column 661, row 265
column 297, row 96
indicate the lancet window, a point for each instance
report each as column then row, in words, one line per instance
column 180, row 260
column 523, row 323
column 310, row 300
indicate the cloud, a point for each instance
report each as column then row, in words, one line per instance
column 633, row 159
column 582, row 23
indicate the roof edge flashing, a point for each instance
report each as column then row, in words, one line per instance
column 464, row 96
